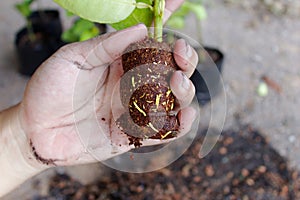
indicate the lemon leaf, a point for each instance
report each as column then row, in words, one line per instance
column 101, row 11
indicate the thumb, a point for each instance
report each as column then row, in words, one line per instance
column 110, row 48
column 102, row 50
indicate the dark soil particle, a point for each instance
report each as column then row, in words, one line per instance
column 39, row 158
column 242, row 165
column 145, row 90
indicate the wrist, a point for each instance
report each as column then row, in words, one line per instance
column 17, row 162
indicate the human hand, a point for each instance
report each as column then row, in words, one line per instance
column 91, row 69
column 43, row 130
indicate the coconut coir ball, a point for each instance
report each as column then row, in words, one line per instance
column 145, row 91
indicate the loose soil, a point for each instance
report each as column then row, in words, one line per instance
column 242, row 165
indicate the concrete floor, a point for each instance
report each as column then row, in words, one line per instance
column 255, row 43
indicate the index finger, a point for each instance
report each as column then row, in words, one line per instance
column 171, row 6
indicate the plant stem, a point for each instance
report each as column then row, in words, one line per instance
column 30, row 32
column 159, row 7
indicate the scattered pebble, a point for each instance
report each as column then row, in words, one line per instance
column 262, row 169
column 292, row 138
column 223, row 150
column 262, row 89
column 209, row 170
column 245, row 172
column 250, row 182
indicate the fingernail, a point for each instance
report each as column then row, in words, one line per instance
column 136, row 27
column 140, row 25
column 185, row 83
column 189, row 51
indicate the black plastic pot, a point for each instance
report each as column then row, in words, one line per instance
column 207, row 78
column 47, row 21
column 47, row 29
column 32, row 54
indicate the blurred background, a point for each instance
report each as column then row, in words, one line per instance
column 256, row 157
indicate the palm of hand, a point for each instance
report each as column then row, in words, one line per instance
column 49, row 112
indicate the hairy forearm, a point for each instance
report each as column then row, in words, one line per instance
column 17, row 163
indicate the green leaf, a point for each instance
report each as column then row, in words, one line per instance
column 82, row 25
column 69, row 14
column 176, row 22
column 200, row 12
column 81, row 30
column 139, row 15
column 69, row 36
column 177, row 18
column 24, row 8
column 101, row 11
column 88, row 34
column 28, row 1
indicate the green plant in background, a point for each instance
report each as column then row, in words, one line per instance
column 177, row 19
column 81, row 30
column 25, row 10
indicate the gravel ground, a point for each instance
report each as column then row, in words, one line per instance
column 256, row 41
column 241, row 166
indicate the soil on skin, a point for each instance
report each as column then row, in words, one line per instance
column 145, row 90
column 242, row 165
